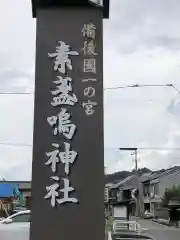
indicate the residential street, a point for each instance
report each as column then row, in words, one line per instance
column 160, row 232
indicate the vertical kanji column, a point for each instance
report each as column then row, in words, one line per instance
column 68, row 148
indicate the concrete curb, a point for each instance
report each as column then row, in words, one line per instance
column 164, row 224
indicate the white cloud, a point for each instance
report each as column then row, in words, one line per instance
column 142, row 41
column 17, row 53
column 141, row 46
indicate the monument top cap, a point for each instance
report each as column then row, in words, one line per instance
column 70, row 3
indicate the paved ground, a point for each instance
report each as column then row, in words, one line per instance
column 160, row 232
column 14, row 235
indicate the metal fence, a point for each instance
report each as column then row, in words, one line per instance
column 120, row 225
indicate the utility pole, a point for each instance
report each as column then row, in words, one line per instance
column 139, row 200
column 134, row 153
column 136, row 164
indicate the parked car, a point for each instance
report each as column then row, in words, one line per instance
column 148, row 215
column 18, row 209
column 16, row 221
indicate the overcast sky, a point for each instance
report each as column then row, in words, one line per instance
column 141, row 46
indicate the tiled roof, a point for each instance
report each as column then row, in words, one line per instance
column 160, row 174
column 167, row 174
column 116, row 185
column 21, row 184
column 147, row 177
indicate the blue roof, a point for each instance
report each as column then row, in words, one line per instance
column 6, row 190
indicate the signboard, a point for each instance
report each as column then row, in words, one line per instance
column 68, row 149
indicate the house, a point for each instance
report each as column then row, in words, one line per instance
column 8, row 199
column 25, row 190
column 121, row 196
column 145, row 180
column 112, row 194
column 152, row 187
column 155, row 184
column 159, row 184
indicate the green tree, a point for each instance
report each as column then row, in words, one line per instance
column 171, row 194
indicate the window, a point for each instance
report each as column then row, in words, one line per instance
column 22, row 218
column 153, row 190
column 156, row 189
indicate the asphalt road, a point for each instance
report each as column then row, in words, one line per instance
column 160, row 232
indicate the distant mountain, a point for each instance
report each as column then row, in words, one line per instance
column 118, row 176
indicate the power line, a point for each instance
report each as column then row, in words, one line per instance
column 15, row 144
column 111, row 88
column 138, row 148
column 16, row 93
column 142, row 85
column 159, row 148
column 150, row 85
column 155, row 148
column 108, row 88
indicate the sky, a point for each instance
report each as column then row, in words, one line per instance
column 141, row 46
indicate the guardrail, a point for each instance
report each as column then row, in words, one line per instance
column 120, row 225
